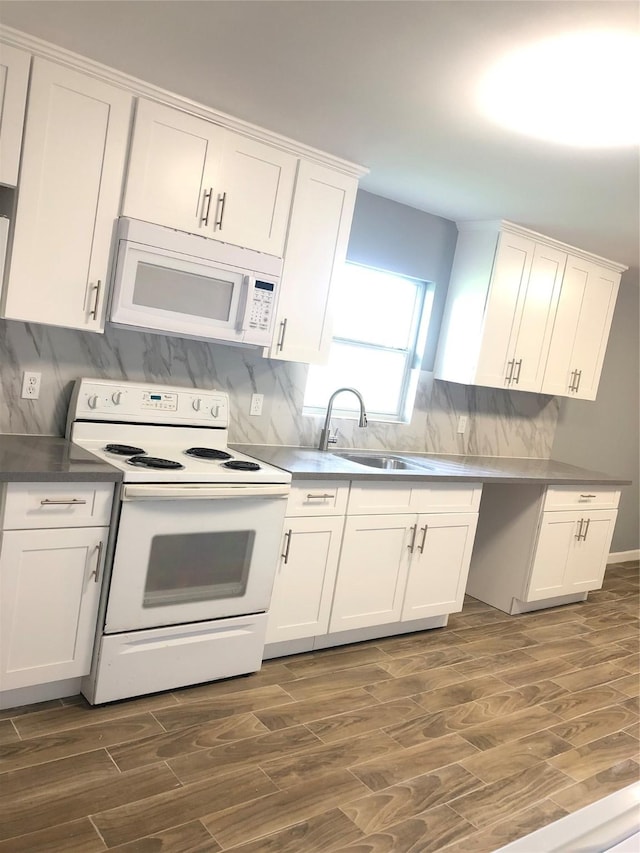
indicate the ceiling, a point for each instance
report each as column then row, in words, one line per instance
column 388, row 84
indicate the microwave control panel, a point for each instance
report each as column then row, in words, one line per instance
column 260, row 306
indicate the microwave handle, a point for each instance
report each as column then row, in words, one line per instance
column 245, row 302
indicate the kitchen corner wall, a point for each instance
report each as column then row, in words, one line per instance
column 385, row 234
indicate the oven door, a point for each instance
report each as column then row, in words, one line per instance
column 190, row 552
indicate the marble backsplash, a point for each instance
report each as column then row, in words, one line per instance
column 500, row 423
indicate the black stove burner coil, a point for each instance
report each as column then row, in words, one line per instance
column 241, row 465
column 124, row 450
column 154, row 462
column 207, row 453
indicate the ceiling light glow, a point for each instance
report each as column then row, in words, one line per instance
column 578, row 89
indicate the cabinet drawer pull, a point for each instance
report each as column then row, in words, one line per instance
column 287, row 546
column 578, row 535
column 206, row 206
column 516, row 378
column 414, row 529
column 578, row 378
column 62, row 502
column 424, row 538
column 283, row 329
column 323, row 497
column 94, row 311
column 509, row 376
column 96, row 572
column 587, row 496
column 572, row 381
column 222, row 199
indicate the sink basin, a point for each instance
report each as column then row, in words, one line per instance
column 383, row 461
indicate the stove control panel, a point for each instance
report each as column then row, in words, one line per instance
column 135, row 402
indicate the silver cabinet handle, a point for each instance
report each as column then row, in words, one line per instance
column 95, row 574
column 578, row 378
column 586, row 529
column 587, row 496
column 62, row 502
column 516, row 378
column 311, row 497
column 94, row 311
column 509, row 375
column 287, row 546
column 283, row 329
column 572, row 380
column 206, row 206
column 414, row 529
column 424, row 538
column 578, row 535
column 222, row 199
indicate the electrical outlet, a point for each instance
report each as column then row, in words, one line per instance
column 31, row 385
column 256, row 404
column 462, row 423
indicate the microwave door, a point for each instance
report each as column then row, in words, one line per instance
column 176, row 294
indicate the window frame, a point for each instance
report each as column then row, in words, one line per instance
column 414, row 353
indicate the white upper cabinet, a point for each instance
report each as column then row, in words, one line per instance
column 514, row 310
column 194, row 175
column 71, row 176
column 14, row 77
column 581, row 330
column 315, row 249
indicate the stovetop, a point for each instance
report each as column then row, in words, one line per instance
column 161, row 434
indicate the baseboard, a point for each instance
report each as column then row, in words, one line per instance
column 623, row 556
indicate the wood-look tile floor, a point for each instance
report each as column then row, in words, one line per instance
column 458, row 739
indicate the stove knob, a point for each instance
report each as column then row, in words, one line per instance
column 116, row 397
column 197, row 403
column 92, row 402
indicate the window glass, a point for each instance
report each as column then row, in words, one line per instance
column 380, row 322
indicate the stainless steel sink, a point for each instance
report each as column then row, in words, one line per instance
column 384, row 461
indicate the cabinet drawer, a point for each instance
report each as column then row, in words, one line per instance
column 577, row 497
column 396, row 497
column 318, row 497
column 40, row 505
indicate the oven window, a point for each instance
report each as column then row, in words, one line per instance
column 182, row 292
column 189, row 567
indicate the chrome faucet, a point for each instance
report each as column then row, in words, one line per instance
column 325, row 436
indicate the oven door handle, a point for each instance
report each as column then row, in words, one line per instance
column 192, row 491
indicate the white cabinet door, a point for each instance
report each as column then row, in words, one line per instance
column 512, row 265
column 254, row 197
column 373, row 571
column 174, row 163
column 439, row 565
column 70, row 184
column 534, row 319
column 304, row 582
column 581, row 330
column 571, row 553
column 14, row 76
column 49, row 589
column 315, row 250
column 193, row 175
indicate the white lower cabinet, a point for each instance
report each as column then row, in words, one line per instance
column 356, row 564
column 303, row 586
column 538, row 547
column 50, row 582
column 571, row 553
column 440, row 565
column 373, row 571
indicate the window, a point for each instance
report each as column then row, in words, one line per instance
column 380, row 324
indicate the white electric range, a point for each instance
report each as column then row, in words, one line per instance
column 195, row 540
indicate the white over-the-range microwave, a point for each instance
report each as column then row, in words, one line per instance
column 175, row 283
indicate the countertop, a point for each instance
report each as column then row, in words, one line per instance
column 49, row 458
column 310, row 464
